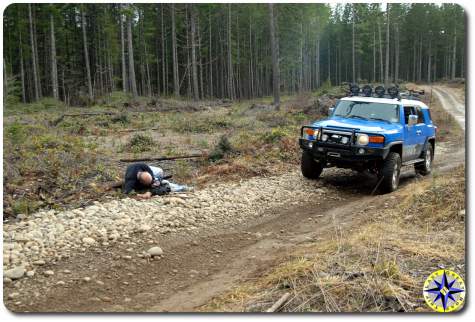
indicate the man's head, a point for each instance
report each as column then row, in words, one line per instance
column 145, row 178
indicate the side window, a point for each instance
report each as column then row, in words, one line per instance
column 430, row 116
column 408, row 110
column 420, row 115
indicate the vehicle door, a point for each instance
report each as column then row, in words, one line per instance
column 421, row 131
column 410, row 136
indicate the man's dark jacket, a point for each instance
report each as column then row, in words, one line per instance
column 131, row 181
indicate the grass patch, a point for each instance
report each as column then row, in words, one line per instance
column 44, row 104
column 140, row 143
column 222, row 148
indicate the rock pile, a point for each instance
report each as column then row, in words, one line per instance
column 49, row 236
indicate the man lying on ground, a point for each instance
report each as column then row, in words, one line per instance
column 148, row 181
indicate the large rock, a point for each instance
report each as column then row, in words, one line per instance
column 88, row 241
column 14, row 273
column 155, row 251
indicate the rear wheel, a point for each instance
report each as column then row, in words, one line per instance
column 424, row 168
column 390, row 172
column 311, row 169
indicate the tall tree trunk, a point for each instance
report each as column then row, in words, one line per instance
column 194, row 66
column 210, row 56
column 414, row 63
column 396, row 64
column 164, row 61
column 230, row 57
column 374, row 56
column 86, row 55
column 429, row 59
column 124, row 65
column 148, row 84
column 200, row 58
column 99, row 68
column 275, row 58
column 34, row 56
column 238, row 86
column 176, row 84
column 188, row 54
column 419, row 71
column 353, row 44
column 54, row 65
column 301, row 84
column 329, row 63
column 454, row 56
column 317, row 55
column 130, row 47
column 251, row 54
column 147, row 70
column 381, row 66
column 5, row 82
column 22, row 68
column 386, row 75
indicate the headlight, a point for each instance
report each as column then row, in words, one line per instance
column 310, row 134
column 363, row 139
column 324, row 137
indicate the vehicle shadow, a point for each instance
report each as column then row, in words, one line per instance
column 359, row 183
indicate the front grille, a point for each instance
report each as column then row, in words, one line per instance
column 338, row 137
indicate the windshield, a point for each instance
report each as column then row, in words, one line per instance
column 368, row 111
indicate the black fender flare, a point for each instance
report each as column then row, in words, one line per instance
column 427, row 142
column 388, row 147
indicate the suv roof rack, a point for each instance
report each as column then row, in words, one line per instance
column 380, row 92
column 413, row 95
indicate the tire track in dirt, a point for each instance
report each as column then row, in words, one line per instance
column 451, row 104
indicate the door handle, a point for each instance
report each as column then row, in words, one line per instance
column 418, row 132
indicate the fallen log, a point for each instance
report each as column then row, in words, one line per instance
column 114, row 185
column 89, row 114
column 191, row 156
column 61, row 118
column 279, row 303
column 137, row 130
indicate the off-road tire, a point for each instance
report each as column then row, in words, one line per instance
column 390, row 172
column 424, row 168
column 311, row 169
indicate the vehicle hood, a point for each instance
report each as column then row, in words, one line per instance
column 371, row 126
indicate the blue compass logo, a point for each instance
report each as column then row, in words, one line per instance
column 444, row 291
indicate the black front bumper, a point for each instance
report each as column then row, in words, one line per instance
column 330, row 153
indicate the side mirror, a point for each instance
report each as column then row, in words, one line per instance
column 412, row 120
column 330, row 111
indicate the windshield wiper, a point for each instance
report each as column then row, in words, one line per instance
column 379, row 119
column 357, row 117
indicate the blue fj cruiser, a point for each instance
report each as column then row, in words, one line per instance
column 377, row 132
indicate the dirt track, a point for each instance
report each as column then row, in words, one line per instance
column 451, row 103
column 203, row 262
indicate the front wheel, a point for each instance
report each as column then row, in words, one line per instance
column 311, row 169
column 424, row 168
column 390, row 172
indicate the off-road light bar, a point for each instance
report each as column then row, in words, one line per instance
column 380, row 90
column 393, row 91
column 354, row 89
column 367, row 90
